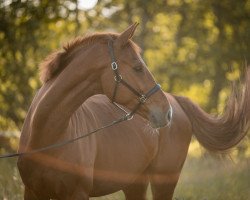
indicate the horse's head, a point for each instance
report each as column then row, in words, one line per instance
column 127, row 81
column 110, row 64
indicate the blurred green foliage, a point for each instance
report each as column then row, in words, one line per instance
column 193, row 47
column 11, row 187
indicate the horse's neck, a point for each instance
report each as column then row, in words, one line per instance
column 58, row 99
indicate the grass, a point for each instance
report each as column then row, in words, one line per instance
column 211, row 179
column 201, row 179
column 11, row 187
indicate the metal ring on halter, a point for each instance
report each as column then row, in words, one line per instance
column 128, row 116
column 118, row 78
column 114, row 66
column 143, row 98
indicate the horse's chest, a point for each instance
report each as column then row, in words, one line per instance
column 53, row 176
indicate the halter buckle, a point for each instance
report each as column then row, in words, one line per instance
column 143, row 98
column 128, row 116
column 114, row 66
column 118, row 78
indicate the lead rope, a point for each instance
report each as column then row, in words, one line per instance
column 60, row 144
column 128, row 116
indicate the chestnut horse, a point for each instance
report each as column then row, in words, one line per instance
column 104, row 63
column 127, row 156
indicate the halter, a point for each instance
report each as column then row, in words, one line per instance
column 142, row 98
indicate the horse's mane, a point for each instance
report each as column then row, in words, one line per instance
column 57, row 61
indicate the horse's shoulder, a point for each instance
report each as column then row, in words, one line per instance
column 94, row 112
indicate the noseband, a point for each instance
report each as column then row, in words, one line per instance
column 142, row 98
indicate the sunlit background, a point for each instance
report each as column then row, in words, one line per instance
column 195, row 48
column 87, row 4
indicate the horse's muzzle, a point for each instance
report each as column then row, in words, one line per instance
column 159, row 119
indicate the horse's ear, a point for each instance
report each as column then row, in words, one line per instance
column 126, row 35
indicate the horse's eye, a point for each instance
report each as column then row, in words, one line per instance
column 138, row 68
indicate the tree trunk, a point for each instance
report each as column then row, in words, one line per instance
column 217, row 87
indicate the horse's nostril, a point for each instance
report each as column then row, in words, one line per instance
column 153, row 118
column 169, row 116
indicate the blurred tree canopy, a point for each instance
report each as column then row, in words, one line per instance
column 193, row 47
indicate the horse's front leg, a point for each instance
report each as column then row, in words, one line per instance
column 163, row 185
column 30, row 195
column 138, row 189
column 77, row 195
column 78, row 191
